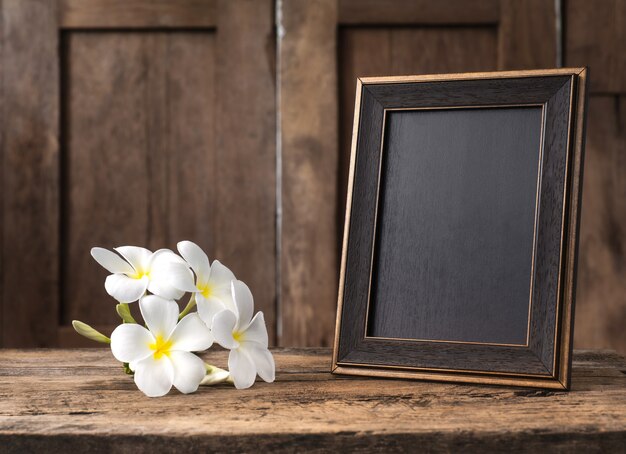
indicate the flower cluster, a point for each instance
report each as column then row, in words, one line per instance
column 160, row 353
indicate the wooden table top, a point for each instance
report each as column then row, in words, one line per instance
column 57, row 400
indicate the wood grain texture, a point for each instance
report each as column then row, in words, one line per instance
column 308, row 131
column 30, row 173
column 140, row 156
column 527, row 35
column 420, row 12
column 246, row 149
column 527, row 90
column 601, row 297
column 595, row 33
column 60, row 400
column 82, row 14
column 551, row 236
column 360, row 229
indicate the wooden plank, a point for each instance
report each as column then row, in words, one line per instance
column 30, row 173
column 595, row 36
column 308, row 130
column 64, row 400
column 527, row 35
column 246, row 126
column 601, row 296
column 81, row 14
column 418, row 12
column 139, row 154
column 420, row 51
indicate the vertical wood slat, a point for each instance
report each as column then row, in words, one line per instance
column 595, row 33
column 596, row 37
column 601, row 296
column 527, row 35
column 30, row 177
column 246, row 148
column 308, row 130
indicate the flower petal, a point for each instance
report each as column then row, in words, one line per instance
column 197, row 258
column 191, row 335
column 225, row 295
column 242, row 296
column 159, row 285
column 188, row 371
column 110, row 261
column 160, row 268
column 222, row 328
column 181, row 277
column 154, row 377
column 256, row 331
column 208, row 307
column 263, row 360
column 165, row 257
column 124, row 288
column 159, row 314
column 241, row 368
column 138, row 257
column 131, row 342
column 221, row 276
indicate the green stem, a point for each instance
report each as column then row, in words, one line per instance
column 190, row 305
column 123, row 310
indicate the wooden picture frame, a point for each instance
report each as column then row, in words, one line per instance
column 461, row 230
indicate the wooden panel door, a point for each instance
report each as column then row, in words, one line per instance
column 323, row 46
column 137, row 122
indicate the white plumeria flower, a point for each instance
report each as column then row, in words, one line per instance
column 245, row 337
column 160, row 355
column 212, row 285
column 139, row 270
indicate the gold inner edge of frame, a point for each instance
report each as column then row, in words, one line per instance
column 534, row 247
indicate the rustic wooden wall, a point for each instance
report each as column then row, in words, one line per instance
column 229, row 123
column 141, row 122
column 595, row 35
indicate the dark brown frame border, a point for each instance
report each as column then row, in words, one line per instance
column 546, row 361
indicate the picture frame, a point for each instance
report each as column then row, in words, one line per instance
column 461, row 228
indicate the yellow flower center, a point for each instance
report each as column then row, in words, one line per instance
column 205, row 290
column 140, row 275
column 161, row 347
column 238, row 336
